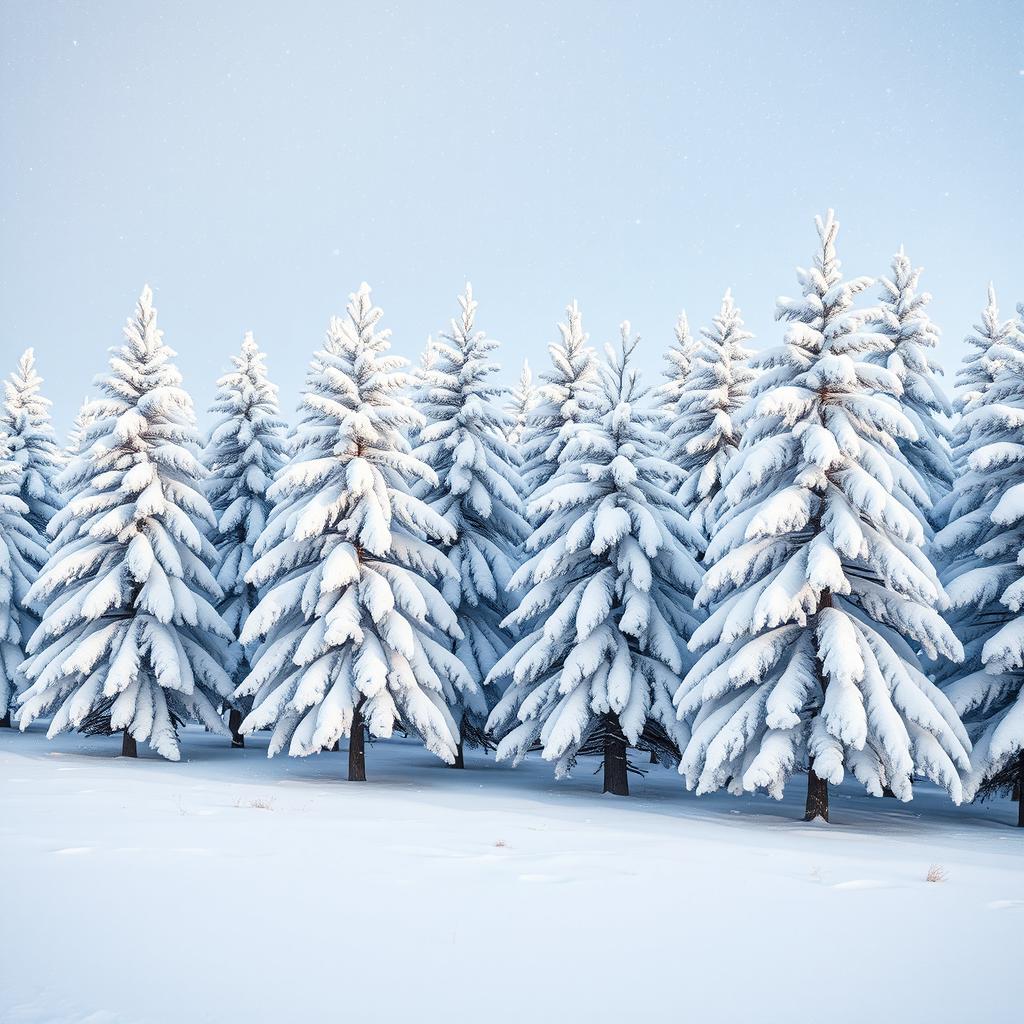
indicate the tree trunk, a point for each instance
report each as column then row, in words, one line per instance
column 616, row 777
column 1020, row 794
column 234, row 723
column 128, row 745
column 817, row 797
column 817, row 789
column 357, row 749
column 5, row 722
column 460, row 760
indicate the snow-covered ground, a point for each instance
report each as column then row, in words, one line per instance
column 229, row 887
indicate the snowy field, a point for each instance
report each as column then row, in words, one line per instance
column 229, row 887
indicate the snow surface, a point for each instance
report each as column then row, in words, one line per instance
column 229, row 887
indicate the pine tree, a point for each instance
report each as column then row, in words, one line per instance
column 980, row 550
column 477, row 494
column 25, row 419
column 562, row 401
column 821, row 592
column 980, row 367
column 244, row 452
column 522, row 400
column 679, row 358
column 130, row 640
column 903, row 319
column 22, row 551
column 705, row 429
column 611, row 575
column 76, row 433
column 352, row 630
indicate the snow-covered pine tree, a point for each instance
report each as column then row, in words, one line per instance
column 611, row 575
column 704, row 431
column 25, row 419
column 22, row 551
column 478, row 495
column 77, row 432
column 352, row 631
column 130, row 640
column 679, row 357
column 980, row 367
column 244, row 451
column 903, row 319
column 821, row 593
column 562, row 401
column 521, row 401
column 980, row 550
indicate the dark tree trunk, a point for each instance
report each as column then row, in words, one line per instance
column 128, row 745
column 5, row 722
column 817, row 789
column 1020, row 794
column 460, row 760
column 817, row 797
column 616, row 776
column 357, row 749
column 234, row 724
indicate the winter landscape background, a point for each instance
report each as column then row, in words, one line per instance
column 769, row 545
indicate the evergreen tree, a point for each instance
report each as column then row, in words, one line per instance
column 705, row 430
column 903, row 319
column 477, row 494
column 981, row 550
column 563, row 397
column 679, row 357
column 25, row 419
column 611, row 574
column 352, row 630
column 244, row 452
column 130, row 640
column 522, row 400
column 822, row 593
column 76, row 433
column 22, row 551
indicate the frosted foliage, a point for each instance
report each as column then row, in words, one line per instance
column 477, row 493
column 521, row 401
column 77, row 432
column 352, row 618
column 609, row 578
column 679, row 359
column 819, row 593
column 131, row 639
column 987, row 347
column 704, row 432
column 25, row 419
column 982, row 553
column 244, row 451
column 22, row 550
column 563, row 399
column 902, row 317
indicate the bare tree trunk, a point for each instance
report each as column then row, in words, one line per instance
column 616, row 776
column 357, row 749
column 1020, row 794
column 817, row 797
column 128, row 745
column 5, row 722
column 234, row 724
column 460, row 760
column 817, row 789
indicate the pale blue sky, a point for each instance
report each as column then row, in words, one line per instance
column 255, row 162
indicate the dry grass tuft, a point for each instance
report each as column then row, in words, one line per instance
column 936, row 873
